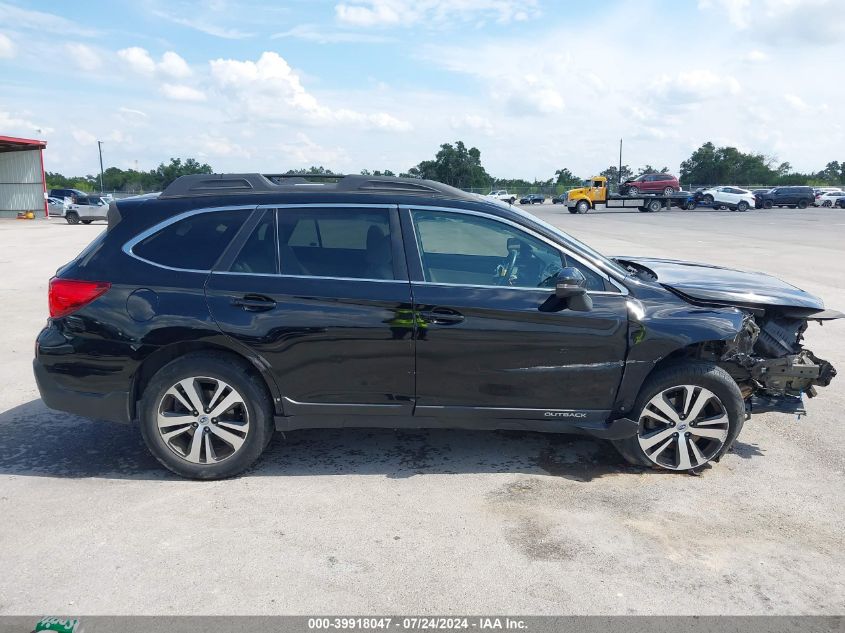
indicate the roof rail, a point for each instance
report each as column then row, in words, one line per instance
column 231, row 184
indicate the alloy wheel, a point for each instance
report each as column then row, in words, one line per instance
column 203, row 420
column 683, row 427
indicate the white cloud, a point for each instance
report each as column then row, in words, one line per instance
column 133, row 112
column 271, row 89
column 203, row 26
column 472, row 122
column 219, row 146
column 138, row 59
column 370, row 13
column 756, row 56
column 802, row 21
column 7, row 47
column 41, row 21
column 694, row 86
column 173, row 65
column 83, row 137
column 181, row 92
column 319, row 34
column 84, row 56
column 17, row 125
column 305, row 152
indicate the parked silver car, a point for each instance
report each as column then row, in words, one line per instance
column 86, row 210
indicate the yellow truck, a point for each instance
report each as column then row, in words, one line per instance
column 594, row 195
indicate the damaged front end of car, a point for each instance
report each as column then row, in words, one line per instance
column 769, row 363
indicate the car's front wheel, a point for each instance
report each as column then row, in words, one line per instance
column 708, row 199
column 72, row 217
column 767, row 204
column 689, row 414
column 204, row 416
column 632, row 191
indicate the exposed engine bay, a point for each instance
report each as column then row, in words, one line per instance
column 766, row 358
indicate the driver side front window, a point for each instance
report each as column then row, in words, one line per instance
column 477, row 251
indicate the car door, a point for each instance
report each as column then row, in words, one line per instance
column 321, row 295
column 492, row 339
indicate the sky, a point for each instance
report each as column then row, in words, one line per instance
column 536, row 85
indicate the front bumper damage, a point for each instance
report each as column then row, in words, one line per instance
column 773, row 370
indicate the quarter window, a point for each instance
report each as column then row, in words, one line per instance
column 353, row 243
column 258, row 254
column 476, row 251
column 195, row 242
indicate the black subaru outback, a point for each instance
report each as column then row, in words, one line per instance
column 230, row 306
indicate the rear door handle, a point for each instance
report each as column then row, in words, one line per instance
column 254, row 303
column 442, row 316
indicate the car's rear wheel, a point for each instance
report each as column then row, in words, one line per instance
column 204, row 416
column 582, row 207
column 767, row 204
column 742, row 205
column 668, row 191
column 689, row 414
column 72, row 217
column 802, row 204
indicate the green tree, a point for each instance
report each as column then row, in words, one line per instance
column 454, row 165
column 566, row 178
column 614, row 177
column 166, row 174
column 648, row 169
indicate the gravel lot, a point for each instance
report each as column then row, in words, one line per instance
column 361, row 521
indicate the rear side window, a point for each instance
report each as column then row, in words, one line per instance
column 194, row 243
column 258, row 255
column 352, row 243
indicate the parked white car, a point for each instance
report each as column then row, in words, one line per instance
column 86, row 210
column 828, row 198
column 503, row 195
column 733, row 198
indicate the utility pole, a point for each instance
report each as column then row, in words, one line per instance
column 619, row 184
column 100, row 147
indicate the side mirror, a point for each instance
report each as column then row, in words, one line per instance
column 571, row 285
column 570, row 282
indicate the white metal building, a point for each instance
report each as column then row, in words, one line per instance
column 22, row 185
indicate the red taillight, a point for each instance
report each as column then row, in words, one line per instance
column 68, row 295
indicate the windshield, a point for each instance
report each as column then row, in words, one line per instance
column 598, row 258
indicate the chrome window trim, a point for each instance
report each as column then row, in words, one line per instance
column 324, row 277
column 623, row 291
column 128, row 246
column 328, row 205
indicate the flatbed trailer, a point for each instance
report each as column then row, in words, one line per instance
column 594, row 195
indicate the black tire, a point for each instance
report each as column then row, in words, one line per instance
column 668, row 191
column 86, row 221
column 632, row 191
column 708, row 199
column 802, row 204
column 767, row 204
column 654, row 206
column 742, row 206
column 696, row 373
column 690, row 206
column 72, row 217
column 512, row 200
column 582, row 207
column 826, row 203
column 215, row 366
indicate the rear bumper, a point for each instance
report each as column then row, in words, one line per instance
column 111, row 406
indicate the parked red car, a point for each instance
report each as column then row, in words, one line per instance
column 650, row 183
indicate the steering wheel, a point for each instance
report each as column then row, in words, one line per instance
column 504, row 280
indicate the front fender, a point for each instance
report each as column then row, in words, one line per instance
column 660, row 323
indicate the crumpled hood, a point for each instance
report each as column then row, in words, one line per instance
column 724, row 285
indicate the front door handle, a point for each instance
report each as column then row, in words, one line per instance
column 254, row 303
column 442, row 316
